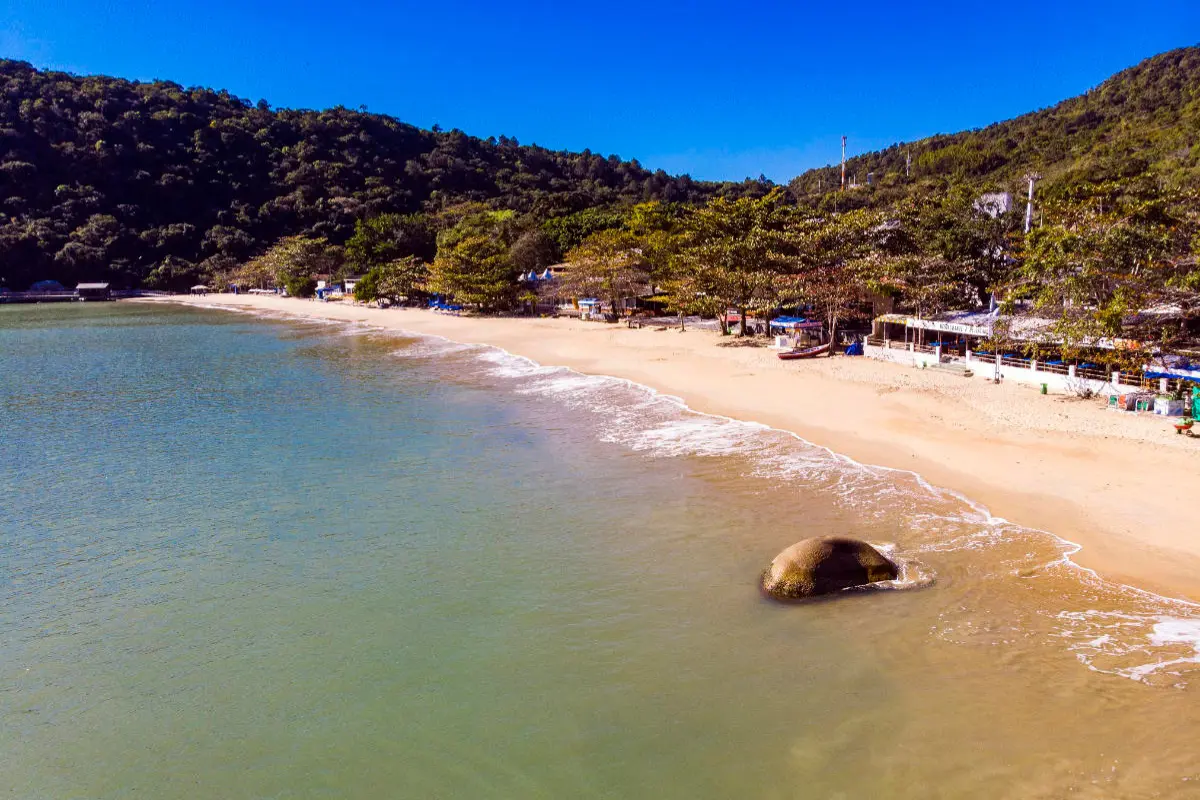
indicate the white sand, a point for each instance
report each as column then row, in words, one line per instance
column 1127, row 488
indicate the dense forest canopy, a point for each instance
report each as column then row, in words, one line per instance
column 152, row 183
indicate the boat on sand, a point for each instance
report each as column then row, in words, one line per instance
column 807, row 352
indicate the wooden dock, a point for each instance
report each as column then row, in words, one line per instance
column 69, row 295
column 38, row 297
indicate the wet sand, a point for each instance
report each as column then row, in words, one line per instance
column 1124, row 488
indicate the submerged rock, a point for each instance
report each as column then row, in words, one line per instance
column 825, row 564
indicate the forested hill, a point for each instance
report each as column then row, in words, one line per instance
column 1145, row 119
column 107, row 178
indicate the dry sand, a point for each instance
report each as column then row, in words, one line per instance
column 1125, row 488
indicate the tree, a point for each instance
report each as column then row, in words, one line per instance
column 387, row 237
column 925, row 282
column 473, row 263
column 534, row 250
column 569, row 231
column 396, row 281
column 831, row 260
column 1114, row 265
column 956, row 233
column 607, row 264
column 173, row 273
column 732, row 252
column 292, row 263
column 299, row 285
column 657, row 226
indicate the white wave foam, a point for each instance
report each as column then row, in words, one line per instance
column 506, row 365
column 432, row 348
column 234, row 309
column 692, row 436
column 912, row 573
column 1149, row 647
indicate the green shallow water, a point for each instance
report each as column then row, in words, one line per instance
column 247, row 558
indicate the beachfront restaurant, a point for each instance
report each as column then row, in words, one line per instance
column 958, row 340
column 954, row 333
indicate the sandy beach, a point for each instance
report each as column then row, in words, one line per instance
column 1122, row 487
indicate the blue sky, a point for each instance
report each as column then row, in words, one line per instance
column 720, row 90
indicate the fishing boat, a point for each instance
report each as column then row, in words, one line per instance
column 807, row 352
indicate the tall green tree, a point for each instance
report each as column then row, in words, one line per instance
column 395, row 282
column 732, row 251
column 1115, row 262
column 387, row 237
column 960, row 233
column 608, row 264
column 292, row 262
column 831, row 258
column 534, row 250
column 473, row 262
column 658, row 227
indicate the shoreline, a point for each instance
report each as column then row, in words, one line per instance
column 1116, row 486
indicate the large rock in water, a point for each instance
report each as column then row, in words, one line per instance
column 825, row 564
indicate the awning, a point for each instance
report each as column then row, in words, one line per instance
column 1183, row 376
column 943, row 326
column 796, row 323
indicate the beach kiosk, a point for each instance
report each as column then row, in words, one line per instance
column 589, row 308
column 793, row 332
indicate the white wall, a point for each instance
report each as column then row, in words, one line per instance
column 1059, row 384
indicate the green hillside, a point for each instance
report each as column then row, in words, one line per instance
column 1145, row 119
column 157, row 184
column 107, row 178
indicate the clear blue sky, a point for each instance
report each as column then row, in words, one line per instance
column 717, row 90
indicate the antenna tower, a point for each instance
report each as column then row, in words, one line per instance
column 1033, row 178
column 843, row 162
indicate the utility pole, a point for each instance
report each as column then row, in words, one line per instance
column 844, row 163
column 1033, row 178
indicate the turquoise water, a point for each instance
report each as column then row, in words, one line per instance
column 248, row 558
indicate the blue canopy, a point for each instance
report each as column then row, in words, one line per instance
column 794, row 322
column 1179, row 375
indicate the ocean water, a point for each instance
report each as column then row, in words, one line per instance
column 261, row 558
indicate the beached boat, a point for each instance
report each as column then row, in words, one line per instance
column 807, row 352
